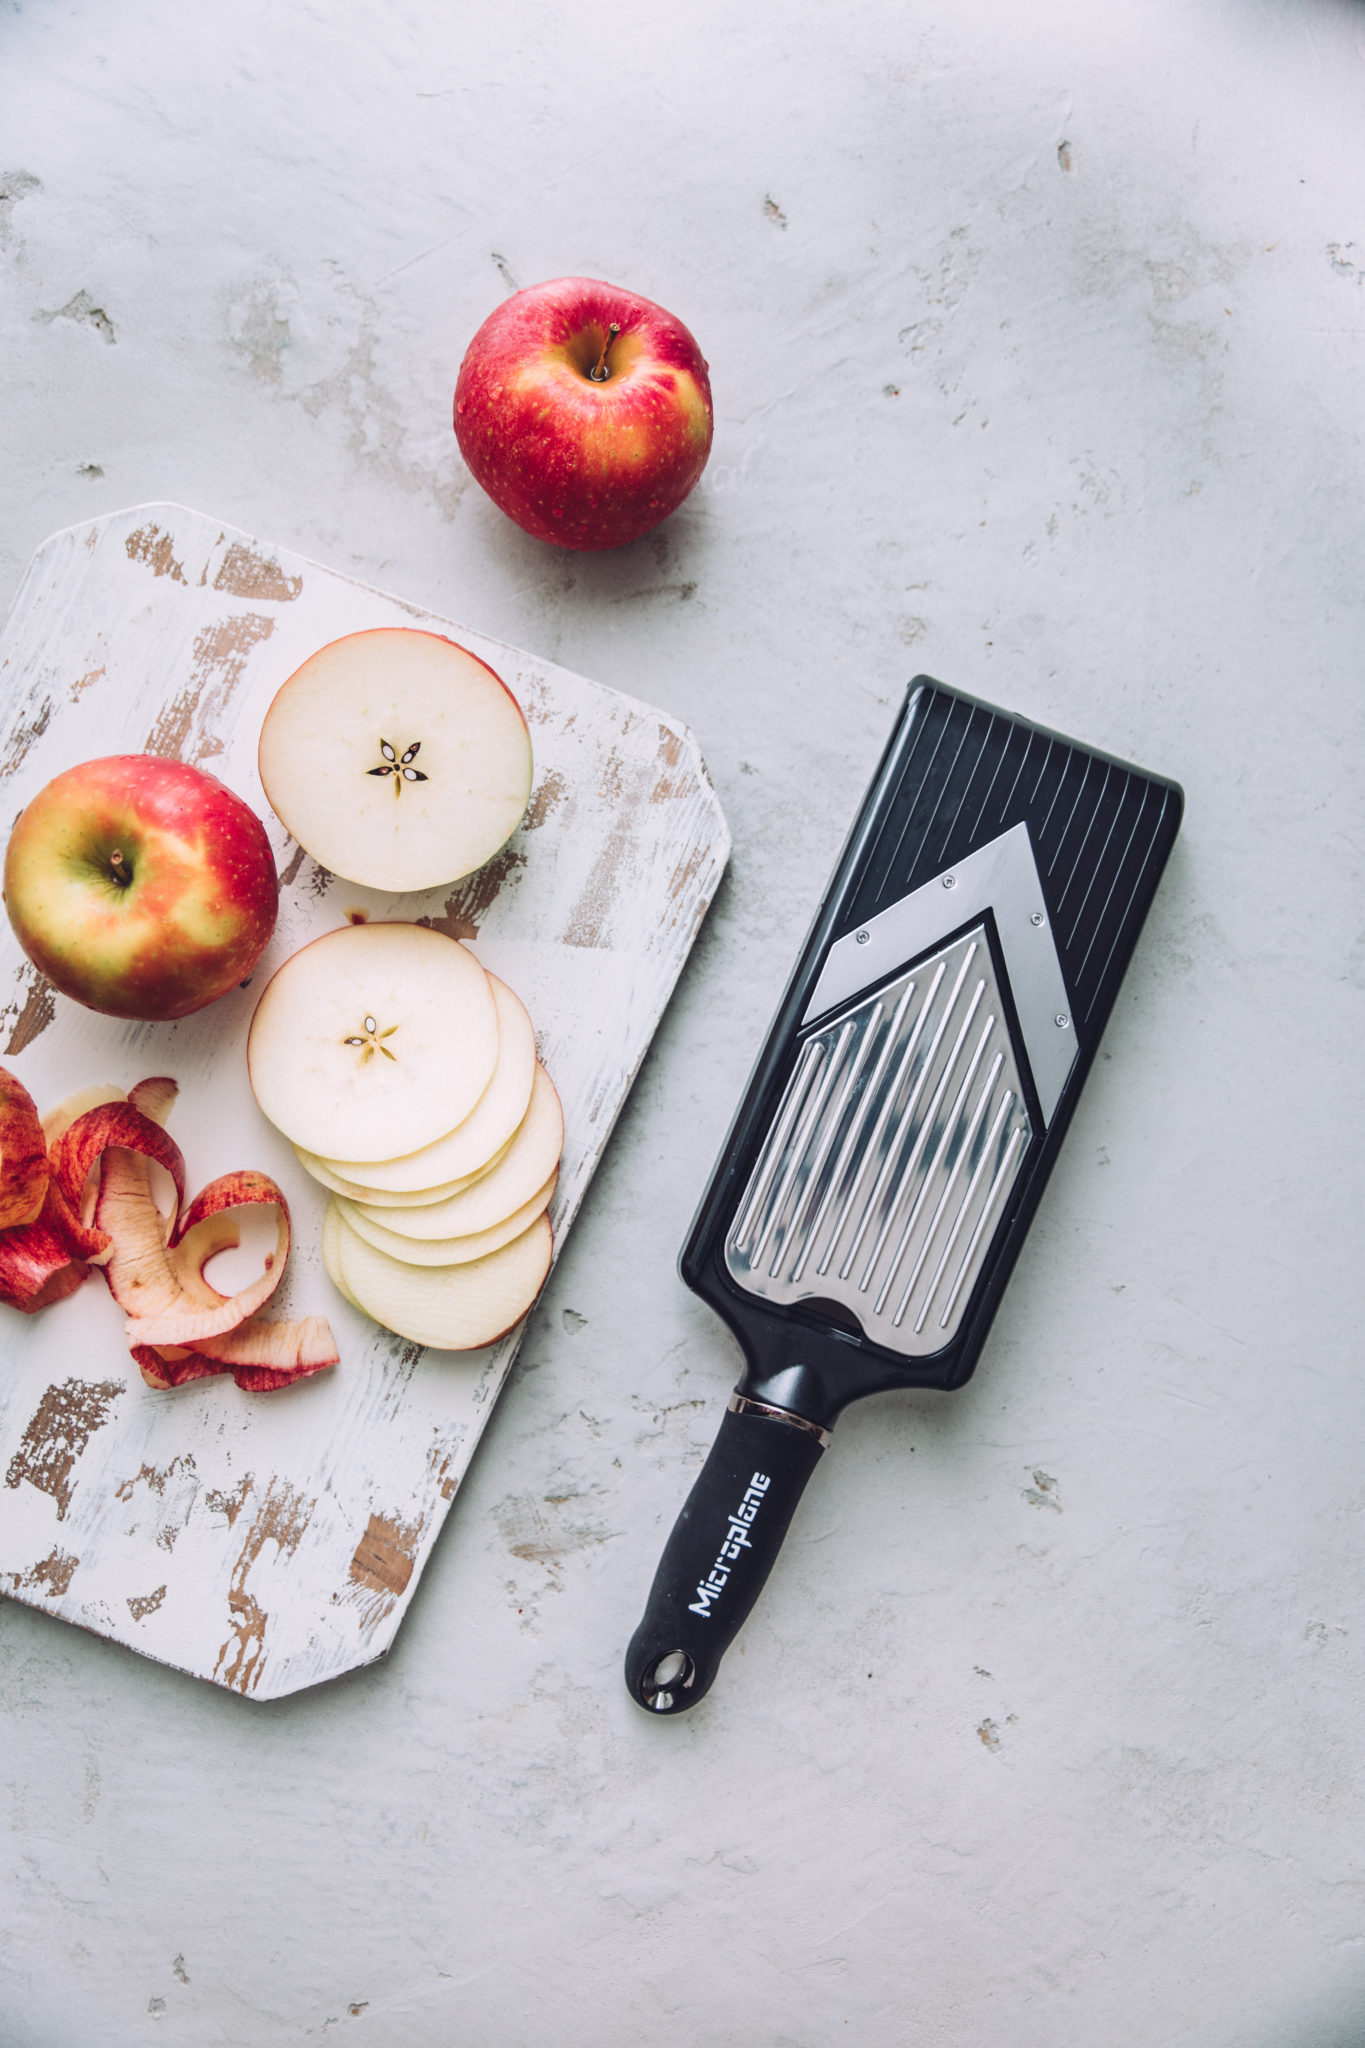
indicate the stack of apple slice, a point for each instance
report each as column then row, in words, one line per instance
column 406, row 1078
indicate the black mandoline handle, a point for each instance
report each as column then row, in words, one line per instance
column 723, row 1546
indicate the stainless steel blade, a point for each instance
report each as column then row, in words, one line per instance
column 1001, row 876
column 888, row 1163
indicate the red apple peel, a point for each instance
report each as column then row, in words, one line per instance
column 167, row 1373
column 42, row 1262
column 113, row 1125
column 161, row 1283
column 180, row 1328
column 261, row 1356
column 307, row 1343
column 154, row 1096
column 23, row 1155
column 43, row 1244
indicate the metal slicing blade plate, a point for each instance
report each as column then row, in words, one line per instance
column 1002, row 876
column 887, row 1167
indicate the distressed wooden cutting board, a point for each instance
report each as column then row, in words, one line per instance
column 266, row 1542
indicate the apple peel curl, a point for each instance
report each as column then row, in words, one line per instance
column 98, row 1208
column 42, row 1262
column 23, row 1155
column 261, row 1356
column 157, row 1274
column 44, row 1246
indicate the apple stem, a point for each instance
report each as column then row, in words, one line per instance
column 599, row 371
column 122, row 873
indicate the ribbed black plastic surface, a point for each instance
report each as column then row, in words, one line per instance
column 1100, row 829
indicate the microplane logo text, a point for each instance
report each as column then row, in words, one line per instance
column 736, row 1539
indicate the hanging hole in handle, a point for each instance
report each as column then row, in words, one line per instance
column 674, row 1667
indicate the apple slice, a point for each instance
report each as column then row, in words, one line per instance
column 373, row 1041
column 448, row 1251
column 397, row 759
column 331, row 1254
column 472, row 1145
column 531, row 1158
column 452, row 1308
column 380, row 1198
column 23, row 1155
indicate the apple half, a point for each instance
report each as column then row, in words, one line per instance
column 373, row 1041
column 473, row 1145
column 451, row 1308
column 396, row 759
column 530, row 1159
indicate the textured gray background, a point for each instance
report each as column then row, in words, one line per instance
column 1036, row 342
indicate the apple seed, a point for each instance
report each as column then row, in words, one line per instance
column 398, row 767
column 372, row 1040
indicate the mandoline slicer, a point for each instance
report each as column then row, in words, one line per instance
column 902, row 1120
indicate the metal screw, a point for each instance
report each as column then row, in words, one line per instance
column 950, row 881
column 1037, row 917
column 1061, row 1020
column 863, row 938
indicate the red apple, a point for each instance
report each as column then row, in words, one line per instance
column 140, row 886
column 584, row 411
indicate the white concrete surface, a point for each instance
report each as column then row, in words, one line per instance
column 1035, row 334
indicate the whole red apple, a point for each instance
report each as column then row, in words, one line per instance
column 584, row 411
column 140, row 886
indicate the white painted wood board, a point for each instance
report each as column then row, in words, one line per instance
column 269, row 1541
